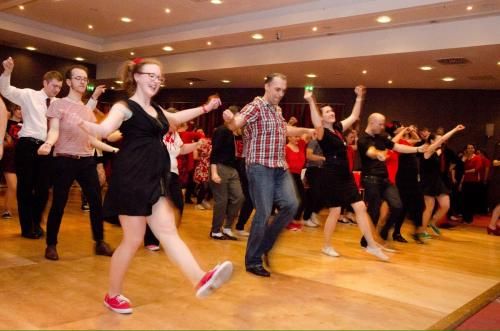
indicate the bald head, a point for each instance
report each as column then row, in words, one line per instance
column 376, row 123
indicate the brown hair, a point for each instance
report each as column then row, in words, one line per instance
column 130, row 68
column 270, row 77
column 50, row 75
column 69, row 73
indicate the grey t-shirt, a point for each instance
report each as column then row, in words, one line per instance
column 313, row 144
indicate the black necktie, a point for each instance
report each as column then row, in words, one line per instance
column 47, row 102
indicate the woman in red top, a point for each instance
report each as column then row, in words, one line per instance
column 471, row 182
column 295, row 153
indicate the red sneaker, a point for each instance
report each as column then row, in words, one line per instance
column 214, row 279
column 118, row 304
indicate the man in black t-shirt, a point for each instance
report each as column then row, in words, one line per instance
column 372, row 147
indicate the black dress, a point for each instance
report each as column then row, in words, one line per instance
column 338, row 185
column 432, row 183
column 140, row 171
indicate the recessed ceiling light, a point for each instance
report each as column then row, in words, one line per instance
column 31, row 48
column 389, row 82
column 469, row 7
column 162, row 85
column 364, row 72
column 118, row 82
column 498, row 63
column 257, row 36
column 132, row 53
column 90, row 26
column 425, row 68
column 448, row 79
column 315, row 28
column 191, row 83
column 216, row 2
column 126, row 19
column 112, row 87
column 209, row 43
column 384, row 19
column 225, row 81
column 21, row 7
column 79, row 58
column 311, row 75
column 168, row 48
column 167, row 10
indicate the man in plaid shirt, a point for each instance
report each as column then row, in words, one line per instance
column 264, row 137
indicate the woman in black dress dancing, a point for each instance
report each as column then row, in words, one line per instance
column 340, row 188
column 138, row 190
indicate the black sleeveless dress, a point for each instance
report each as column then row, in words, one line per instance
column 430, row 175
column 338, row 186
column 141, row 169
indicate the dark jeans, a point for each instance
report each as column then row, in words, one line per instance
column 268, row 186
column 85, row 172
column 376, row 190
column 312, row 198
column 412, row 199
column 203, row 192
column 247, row 207
column 299, row 188
column 175, row 195
column 228, row 197
column 33, row 181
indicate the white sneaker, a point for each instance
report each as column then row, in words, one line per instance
column 206, row 204
column 214, row 279
column 199, row 207
column 242, row 233
column 377, row 252
column 310, row 224
column 330, row 251
column 315, row 219
column 153, row 248
column 387, row 249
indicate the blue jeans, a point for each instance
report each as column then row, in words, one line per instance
column 268, row 186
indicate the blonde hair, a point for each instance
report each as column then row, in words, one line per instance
column 132, row 67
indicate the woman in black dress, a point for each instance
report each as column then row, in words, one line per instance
column 138, row 191
column 340, row 188
column 432, row 184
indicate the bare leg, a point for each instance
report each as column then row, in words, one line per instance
column 426, row 216
column 384, row 215
column 444, row 206
column 10, row 195
column 364, row 223
column 162, row 223
column 330, row 224
column 494, row 217
column 133, row 228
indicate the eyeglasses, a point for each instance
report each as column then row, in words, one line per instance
column 81, row 79
column 153, row 76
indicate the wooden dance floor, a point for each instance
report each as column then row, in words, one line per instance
column 424, row 286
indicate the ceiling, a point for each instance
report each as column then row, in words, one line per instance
column 213, row 42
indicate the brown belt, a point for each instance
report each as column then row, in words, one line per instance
column 71, row 156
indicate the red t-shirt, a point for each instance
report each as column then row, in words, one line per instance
column 392, row 161
column 473, row 163
column 296, row 160
column 485, row 163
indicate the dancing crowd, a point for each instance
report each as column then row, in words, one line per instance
column 255, row 162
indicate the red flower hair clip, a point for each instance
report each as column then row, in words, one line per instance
column 137, row 60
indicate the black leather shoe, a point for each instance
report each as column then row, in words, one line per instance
column 30, row 235
column 51, row 253
column 221, row 237
column 399, row 238
column 102, row 248
column 259, row 271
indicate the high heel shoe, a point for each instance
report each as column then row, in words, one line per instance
column 492, row 232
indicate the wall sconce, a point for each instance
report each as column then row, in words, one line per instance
column 490, row 130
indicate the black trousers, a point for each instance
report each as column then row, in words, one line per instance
column 175, row 195
column 412, row 198
column 85, row 173
column 33, row 181
column 376, row 190
column 312, row 197
column 247, row 207
column 472, row 193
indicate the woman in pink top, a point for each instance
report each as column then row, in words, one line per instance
column 73, row 159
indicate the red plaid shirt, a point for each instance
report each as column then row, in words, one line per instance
column 264, row 135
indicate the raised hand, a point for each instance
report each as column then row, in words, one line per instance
column 8, row 65
column 212, row 104
column 227, row 115
column 98, row 91
column 459, row 127
column 360, row 91
column 308, row 95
